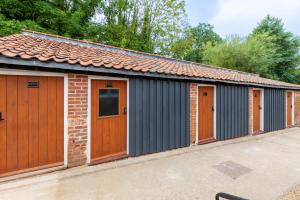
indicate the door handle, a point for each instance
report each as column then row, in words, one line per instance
column 125, row 111
column 1, row 119
column 260, row 107
column 213, row 109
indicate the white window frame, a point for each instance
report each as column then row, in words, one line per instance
column 17, row 72
column 215, row 110
column 94, row 77
column 262, row 111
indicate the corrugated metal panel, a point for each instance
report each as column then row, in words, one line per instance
column 159, row 115
column 232, row 111
column 274, row 109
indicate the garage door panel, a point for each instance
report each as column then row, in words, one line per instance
column 33, row 120
column 23, row 123
column 52, row 119
column 43, row 121
column 32, row 135
column 11, row 123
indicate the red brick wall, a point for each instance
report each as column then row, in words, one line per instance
column 77, row 119
column 250, row 111
column 193, row 109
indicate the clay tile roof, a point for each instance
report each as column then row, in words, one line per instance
column 46, row 47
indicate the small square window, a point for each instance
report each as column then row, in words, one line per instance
column 108, row 102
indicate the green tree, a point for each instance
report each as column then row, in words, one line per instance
column 269, row 51
column 122, row 25
column 251, row 54
column 8, row 27
column 190, row 46
column 286, row 58
column 63, row 17
column 202, row 34
column 183, row 46
column 158, row 26
column 145, row 25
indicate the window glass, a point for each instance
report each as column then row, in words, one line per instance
column 108, row 102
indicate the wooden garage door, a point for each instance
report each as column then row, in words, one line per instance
column 297, row 108
column 32, row 123
column 205, row 114
column 256, row 111
column 289, row 108
column 109, row 117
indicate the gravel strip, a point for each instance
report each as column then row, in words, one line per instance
column 294, row 194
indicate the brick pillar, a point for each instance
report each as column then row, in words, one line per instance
column 193, row 110
column 250, row 111
column 77, row 119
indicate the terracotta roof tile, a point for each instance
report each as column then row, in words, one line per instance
column 44, row 47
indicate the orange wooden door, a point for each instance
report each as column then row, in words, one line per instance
column 32, row 124
column 297, row 108
column 205, row 114
column 109, row 120
column 289, row 108
column 256, row 110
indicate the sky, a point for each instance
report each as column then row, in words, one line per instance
column 241, row 16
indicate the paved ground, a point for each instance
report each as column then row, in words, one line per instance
column 261, row 167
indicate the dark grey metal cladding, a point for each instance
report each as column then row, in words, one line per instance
column 274, row 109
column 158, row 115
column 232, row 111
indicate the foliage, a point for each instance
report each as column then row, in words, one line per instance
column 269, row 51
column 124, row 23
column 183, row 45
column 203, row 33
column 190, row 46
column 63, row 17
column 251, row 54
column 285, row 58
column 159, row 26
column 145, row 25
column 8, row 27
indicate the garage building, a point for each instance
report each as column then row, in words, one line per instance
column 67, row 103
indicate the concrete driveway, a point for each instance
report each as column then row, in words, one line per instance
column 261, row 167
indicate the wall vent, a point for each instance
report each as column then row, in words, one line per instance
column 33, row 84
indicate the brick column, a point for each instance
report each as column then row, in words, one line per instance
column 193, row 110
column 77, row 119
column 250, row 111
